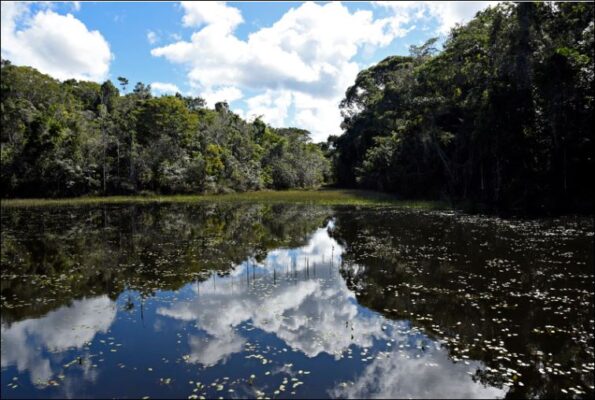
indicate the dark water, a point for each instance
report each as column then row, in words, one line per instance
column 292, row 302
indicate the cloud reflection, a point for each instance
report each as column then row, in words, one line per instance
column 307, row 313
column 25, row 343
column 402, row 375
column 300, row 297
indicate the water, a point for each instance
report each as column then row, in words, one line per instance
column 293, row 301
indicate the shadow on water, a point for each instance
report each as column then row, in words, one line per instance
column 248, row 300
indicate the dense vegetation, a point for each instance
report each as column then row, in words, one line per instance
column 72, row 138
column 502, row 116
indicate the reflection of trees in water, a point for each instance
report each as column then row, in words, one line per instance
column 458, row 277
column 478, row 285
column 51, row 256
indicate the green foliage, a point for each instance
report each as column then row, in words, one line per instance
column 501, row 116
column 213, row 163
column 73, row 138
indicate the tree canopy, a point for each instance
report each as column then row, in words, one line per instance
column 74, row 137
column 501, row 116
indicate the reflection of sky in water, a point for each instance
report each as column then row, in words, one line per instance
column 317, row 313
column 295, row 295
column 56, row 332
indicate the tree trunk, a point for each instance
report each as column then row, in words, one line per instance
column 118, row 164
column 104, row 179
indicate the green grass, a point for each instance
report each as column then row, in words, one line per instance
column 322, row 197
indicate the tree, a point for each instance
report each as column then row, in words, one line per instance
column 142, row 91
column 123, row 82
column 501, row 116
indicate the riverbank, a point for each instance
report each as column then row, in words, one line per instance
column 321, row 196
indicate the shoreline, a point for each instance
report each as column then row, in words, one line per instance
column 320, row 196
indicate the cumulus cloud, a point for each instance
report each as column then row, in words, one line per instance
column 11, row 12
column 159, row 88
column 223, row 93
column 59, row 45
column 304, row 51
column 212, row 12
column 300, row 65
column 447, row 13
column 308, row 52
column 272, row 105
column 318, row 115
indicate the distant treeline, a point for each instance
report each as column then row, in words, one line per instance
column 503, row 116
column 75, row 137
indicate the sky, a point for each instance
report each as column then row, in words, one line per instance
column 288, row 62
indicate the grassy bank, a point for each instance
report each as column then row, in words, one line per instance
column 322, row 197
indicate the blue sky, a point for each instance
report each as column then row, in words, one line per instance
column 289, row 62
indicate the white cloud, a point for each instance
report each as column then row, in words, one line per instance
column 159, row 88
column 432, row 376
column 446, row 13
column 308, row 52
column 25, row 343
column 11, row 12
column 301, row 65
column 217, row 349
column 287, row 309
column 59, row 45
column 319, row 116
column 272, row 105
column 212, row 12
column 225, row 93
column 76, row 5
column 461, row 12
column 152, row 37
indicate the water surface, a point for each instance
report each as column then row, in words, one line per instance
column 237, row 300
